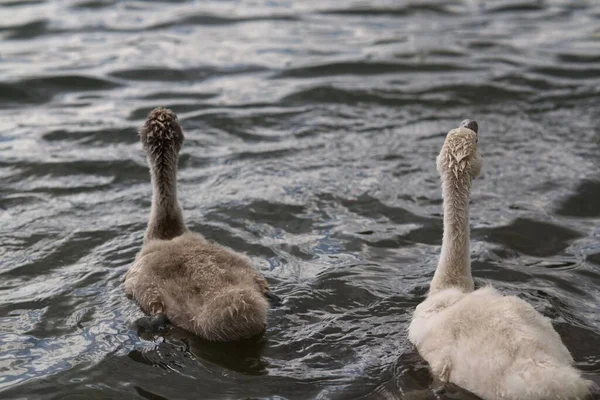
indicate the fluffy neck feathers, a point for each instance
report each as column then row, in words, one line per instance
column 454, row 265
column 166, row 217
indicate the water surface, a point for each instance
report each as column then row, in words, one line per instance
column 312, row 129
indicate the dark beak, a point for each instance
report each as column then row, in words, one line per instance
column 471, row 124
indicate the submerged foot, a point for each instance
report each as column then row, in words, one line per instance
column 273, row 298
column 152, row 325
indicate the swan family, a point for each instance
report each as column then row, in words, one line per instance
column 497, row 347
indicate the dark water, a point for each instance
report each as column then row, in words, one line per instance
column 312, row 129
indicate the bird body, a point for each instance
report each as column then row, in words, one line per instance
column 197, row 285
column 200, row 286
column 496, row 346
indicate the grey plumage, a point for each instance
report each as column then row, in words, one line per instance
column 200, row 286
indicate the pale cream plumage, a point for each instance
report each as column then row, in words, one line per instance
column 498, row 347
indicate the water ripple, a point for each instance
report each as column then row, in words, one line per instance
column 311, row 135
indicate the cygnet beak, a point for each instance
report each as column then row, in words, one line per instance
column 471, row 124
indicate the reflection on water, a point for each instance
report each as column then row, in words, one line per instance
column 311, row 133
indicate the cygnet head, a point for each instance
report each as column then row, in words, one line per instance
column 161, row 135
column 459, row 156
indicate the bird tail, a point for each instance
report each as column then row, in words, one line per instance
column 549, row 381
column 237, row 313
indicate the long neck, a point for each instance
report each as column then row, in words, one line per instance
column 454, row 266
column 166, row 218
